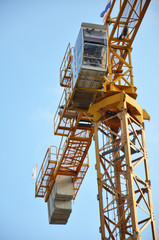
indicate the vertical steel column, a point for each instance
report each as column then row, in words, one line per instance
column 129, row 167
column 120, row 200
column 153, row 226
column 99, row 181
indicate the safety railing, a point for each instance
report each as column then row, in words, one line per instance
column 59, row 111
column 62, row 146
column 45, row 172
column 80, row 176
column 65, row 68
column 64, row 118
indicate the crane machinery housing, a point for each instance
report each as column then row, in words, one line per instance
column 99, row 103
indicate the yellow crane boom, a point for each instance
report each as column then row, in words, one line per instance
column 99, row 101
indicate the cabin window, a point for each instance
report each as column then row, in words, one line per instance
column 94, row 55
column 94, row 36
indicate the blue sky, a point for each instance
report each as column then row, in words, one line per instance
column 33, row 38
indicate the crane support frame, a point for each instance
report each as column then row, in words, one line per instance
column 124, row 188
column 104, row 103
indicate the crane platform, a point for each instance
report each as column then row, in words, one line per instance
column 71, row 159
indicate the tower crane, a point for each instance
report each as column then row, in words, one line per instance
column 99, row 103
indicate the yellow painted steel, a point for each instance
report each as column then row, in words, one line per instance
column 119, row 102
column 113, row 114
column 116, row 112
column 123, row 177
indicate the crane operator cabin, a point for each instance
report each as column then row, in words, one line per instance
column 89, row 62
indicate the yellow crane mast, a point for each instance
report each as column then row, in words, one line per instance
column 99, row 103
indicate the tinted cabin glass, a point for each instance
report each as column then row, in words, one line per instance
column 94, row 36
column 94, row 48
column 94, row 55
